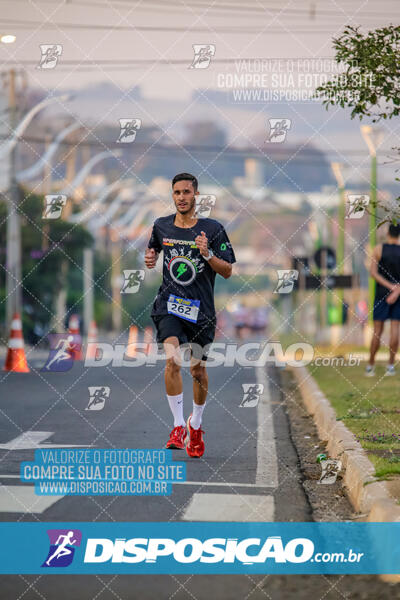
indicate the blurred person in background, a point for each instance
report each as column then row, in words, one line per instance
column 240, row 318
column 259, row 320
column 385, row 269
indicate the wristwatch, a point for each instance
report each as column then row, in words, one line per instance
column 210, row 255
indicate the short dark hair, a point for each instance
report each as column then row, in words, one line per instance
column 186, row 177
column 394, row 230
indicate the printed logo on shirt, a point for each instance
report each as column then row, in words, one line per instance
column 173, row 242
column 183, row 268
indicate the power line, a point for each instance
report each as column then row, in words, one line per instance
column 256, row 8
column 309, row 153
column 50, row 26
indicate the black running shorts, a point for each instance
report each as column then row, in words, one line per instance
column 384, row 311
column 186, row 332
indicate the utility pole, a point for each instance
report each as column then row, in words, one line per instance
column 8, row 159
column 13, row 244
column 116, row 312
column 47, row 185
column 340, row 253
column 372, row 234
column 88, row 292
column 373, row 137
column 61, row 298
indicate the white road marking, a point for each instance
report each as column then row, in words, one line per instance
column 196, row 483
column 31, row 440
column 235, row 506
column 229, row 507
column 22, row 499
column 267, row 460
column 218, row 483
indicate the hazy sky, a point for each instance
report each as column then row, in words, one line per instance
column 92, row 31
column 149, row 43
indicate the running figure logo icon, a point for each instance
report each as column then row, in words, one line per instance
column 53, row 205
column 278, row 129
column 356, row 205
column 204, row 204
column 203, row 54
column 251, row 394
column 132, row 281
column 330, row 470
column 129, row 128
column 62, row 547
column 50, row 55
column 60, row 356
column 286, row 279
column 98, row 396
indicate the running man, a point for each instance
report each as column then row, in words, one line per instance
column 64, row 348
column 62, row 549
column 195, row 250
column 133, row 280
column 385, row 269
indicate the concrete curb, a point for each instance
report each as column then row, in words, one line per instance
column 371, row 498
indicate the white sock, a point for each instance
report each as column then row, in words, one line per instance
column 195, row 419
column 176, row 406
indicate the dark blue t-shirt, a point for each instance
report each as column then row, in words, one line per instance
column 389, row 268
column 185, row 272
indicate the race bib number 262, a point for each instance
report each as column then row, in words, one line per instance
column 183, row 308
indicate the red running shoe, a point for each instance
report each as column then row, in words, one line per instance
column 195, row 446
column 177, row 438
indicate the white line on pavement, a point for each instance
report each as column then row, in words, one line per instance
column 209, row 483
column 22, row 499
column 229, row 507
column 267, row 460
column 219, row 483
column 31, row 440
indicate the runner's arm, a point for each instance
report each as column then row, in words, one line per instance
column 150, row 258
column 222, row 267
column 376, row 256
column 153, row 249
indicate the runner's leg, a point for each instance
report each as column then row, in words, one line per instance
column 394, row 340
column 200, row 389
column 376, row 340
column 173, row 380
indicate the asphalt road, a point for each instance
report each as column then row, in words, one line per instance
column 249, row 472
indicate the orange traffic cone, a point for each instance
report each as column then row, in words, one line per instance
column 147, row 339
column 131, row 350
column 73, row 329
column 16, row 359
column 92, row 341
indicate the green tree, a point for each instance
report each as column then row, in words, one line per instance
column 370, row 83
column 46, row 244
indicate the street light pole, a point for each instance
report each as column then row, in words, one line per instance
column 373, row 138
column 116, row 311
column 88, row 292
column 13, row 235
column 372, row 235
column 13, row 244
column 336, row 169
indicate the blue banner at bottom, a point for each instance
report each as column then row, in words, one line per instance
column 209, row 548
